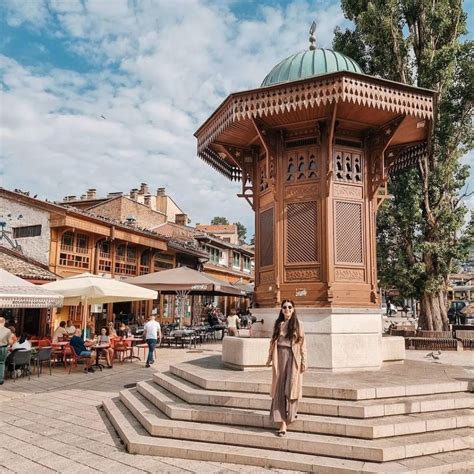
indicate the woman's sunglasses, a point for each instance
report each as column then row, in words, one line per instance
column 287, row 307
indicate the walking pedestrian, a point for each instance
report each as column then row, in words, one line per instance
column 287, row 355
column 152, row 337
column 6, row 338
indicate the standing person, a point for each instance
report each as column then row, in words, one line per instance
column 6, row 338
column 287, row 354
column 152, row 336
column 233, row 322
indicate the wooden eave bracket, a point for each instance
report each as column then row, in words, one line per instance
column 270, row 152
column 377, row 142
column 239, row 158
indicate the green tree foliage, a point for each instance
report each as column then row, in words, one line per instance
column 420, row 235
column 218, row 220
column 241, row 232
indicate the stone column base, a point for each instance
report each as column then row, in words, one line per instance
column 245, row 353
column 338, row 339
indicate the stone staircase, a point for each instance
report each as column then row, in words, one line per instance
column 398, row 419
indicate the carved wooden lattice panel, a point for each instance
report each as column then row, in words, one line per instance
column 348, row 232
column 301, row 165
column 347, row 167
column 262, row 183
column 266, row 238
column 302, row 232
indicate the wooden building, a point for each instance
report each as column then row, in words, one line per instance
column 71, row 241
column 313, row 148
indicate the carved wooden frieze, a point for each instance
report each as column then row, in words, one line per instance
column 347, row 192
column 267, row 278
column 297, row 193
column 349, row 274
column 343, row 87
column 303, row 274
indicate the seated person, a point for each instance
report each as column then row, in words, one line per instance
column 60, row 331
column 22, row 343
column 109, row 352
column 111, row 328
column 80, row 348
column 123, row 330
column 70, row 328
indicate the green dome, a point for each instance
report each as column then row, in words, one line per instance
column 308, row 64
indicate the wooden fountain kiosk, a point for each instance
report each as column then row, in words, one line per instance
column 314, row 147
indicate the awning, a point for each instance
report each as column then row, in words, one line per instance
column 18, row 293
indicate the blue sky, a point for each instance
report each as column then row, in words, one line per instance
column 155, row 69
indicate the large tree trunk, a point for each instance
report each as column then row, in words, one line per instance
column 434, row 312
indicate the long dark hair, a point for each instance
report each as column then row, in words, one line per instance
column 293, row 324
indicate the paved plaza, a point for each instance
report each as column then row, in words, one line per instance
column 56, row 423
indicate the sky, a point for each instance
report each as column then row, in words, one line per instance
column 107, row 94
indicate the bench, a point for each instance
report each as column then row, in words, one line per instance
column 432, row 343
column 466, row 337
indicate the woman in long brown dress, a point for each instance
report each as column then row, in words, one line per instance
column 288, row 356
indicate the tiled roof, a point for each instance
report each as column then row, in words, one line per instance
column 220, row 229
column 174, row 231
column 24, row 267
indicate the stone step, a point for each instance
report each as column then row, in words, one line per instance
column 194, row 394
column 389, row 449
column 137, row 441
column 259, row 382
column 177, row 409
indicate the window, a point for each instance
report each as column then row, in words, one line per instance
column 67, row 241
column 82, row 243
column 215, row 255
column 246, row 263
column 77, row 255
column 162, row 261
column 236, row 260
column 27, row 231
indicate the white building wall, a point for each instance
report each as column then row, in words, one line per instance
column 18, row 215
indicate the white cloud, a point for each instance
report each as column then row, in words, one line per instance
column 160, row 68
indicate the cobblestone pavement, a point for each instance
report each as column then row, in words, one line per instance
column 56, row 423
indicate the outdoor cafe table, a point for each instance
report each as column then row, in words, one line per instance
column 133, row 342
column 98, row 348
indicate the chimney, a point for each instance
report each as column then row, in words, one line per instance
column 181, row 219
column 91, row 193
column 160, row 192
column 133, row 194
column 83, row 197
column 116, row 194
column 147, row 200
column 143, row 188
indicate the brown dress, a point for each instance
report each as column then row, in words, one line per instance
column 283, row 407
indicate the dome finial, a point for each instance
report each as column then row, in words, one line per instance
column 312, row 38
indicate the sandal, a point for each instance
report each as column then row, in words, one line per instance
column 281, row 434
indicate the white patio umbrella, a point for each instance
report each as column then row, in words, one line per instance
column 18, row 293
column 93, row 289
